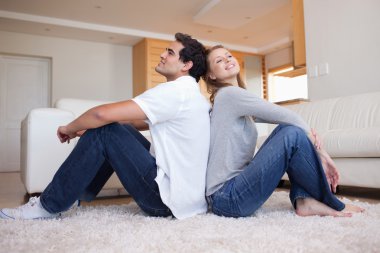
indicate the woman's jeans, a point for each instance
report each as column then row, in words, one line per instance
column 287, row 149
column 100, row 152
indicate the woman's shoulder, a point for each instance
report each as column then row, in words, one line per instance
column 228, row 90
column 233, row 91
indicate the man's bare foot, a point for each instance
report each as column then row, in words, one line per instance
column 352, row 209
column 310, row 207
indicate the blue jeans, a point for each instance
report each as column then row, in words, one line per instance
column 99, row 153
column 287, row 149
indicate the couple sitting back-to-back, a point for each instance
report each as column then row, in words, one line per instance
column 193, row 150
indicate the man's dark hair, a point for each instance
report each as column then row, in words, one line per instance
column 193, row 51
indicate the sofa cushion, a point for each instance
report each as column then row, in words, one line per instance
column 317, row 114
column 353, row 142
column 358, row 111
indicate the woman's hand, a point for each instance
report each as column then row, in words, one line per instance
column 329, row 167
column 331, row 171
column 317, row 141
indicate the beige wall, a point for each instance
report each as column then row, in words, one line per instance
column 279, row 58
column 345, row 35
column 80, row 69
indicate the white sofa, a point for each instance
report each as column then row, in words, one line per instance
column 350, row 131
column 41, row 151
column 349, row 127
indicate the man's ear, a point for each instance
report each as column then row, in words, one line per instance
column 188, row 65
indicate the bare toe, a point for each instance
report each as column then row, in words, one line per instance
column 352, row 209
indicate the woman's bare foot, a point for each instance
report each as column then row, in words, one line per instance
column 310, row 207
column 352, row 209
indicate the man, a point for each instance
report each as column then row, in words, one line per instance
column 169, row 182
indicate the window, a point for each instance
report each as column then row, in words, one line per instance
column 286, row 83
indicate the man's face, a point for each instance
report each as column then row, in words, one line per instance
column 170, row 65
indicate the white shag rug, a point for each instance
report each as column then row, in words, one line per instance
column 124, row 228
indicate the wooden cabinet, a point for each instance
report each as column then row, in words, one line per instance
column 299, row 49
column 146, row 56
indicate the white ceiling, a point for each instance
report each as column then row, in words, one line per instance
column 257, row 26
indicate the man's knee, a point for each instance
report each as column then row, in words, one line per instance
column 130, row 128
column 100, row 131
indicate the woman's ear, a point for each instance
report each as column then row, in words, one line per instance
column 212, row 76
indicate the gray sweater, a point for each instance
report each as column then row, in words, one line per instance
column 234, row 133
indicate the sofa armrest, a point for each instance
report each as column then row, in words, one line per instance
column 41, row 151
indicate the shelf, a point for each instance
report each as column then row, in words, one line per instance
column 293, row 101
column 293, row 73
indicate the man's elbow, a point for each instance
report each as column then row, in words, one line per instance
column 100, row 114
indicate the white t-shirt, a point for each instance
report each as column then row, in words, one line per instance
column 179, row 123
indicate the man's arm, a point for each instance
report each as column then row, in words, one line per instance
column 102, row 115
column 140, row 125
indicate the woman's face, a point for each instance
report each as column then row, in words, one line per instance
column 223, row 66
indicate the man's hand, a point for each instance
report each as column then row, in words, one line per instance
column 64, row 135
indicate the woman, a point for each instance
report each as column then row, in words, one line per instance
column 237, row 184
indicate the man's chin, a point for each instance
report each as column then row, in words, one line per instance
column 158, row 70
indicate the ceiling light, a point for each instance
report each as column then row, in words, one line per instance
column 211, row 4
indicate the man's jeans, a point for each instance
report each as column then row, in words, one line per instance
column 287, row 149
column 100, row 152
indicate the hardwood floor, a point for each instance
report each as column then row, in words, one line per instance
column 12, row 193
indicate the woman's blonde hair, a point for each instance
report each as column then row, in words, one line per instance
column 214, row 85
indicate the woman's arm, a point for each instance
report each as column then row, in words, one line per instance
column 248, row 104
column 244, row 103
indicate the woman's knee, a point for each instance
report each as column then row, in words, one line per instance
column 293, row 135
column 293, row 131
